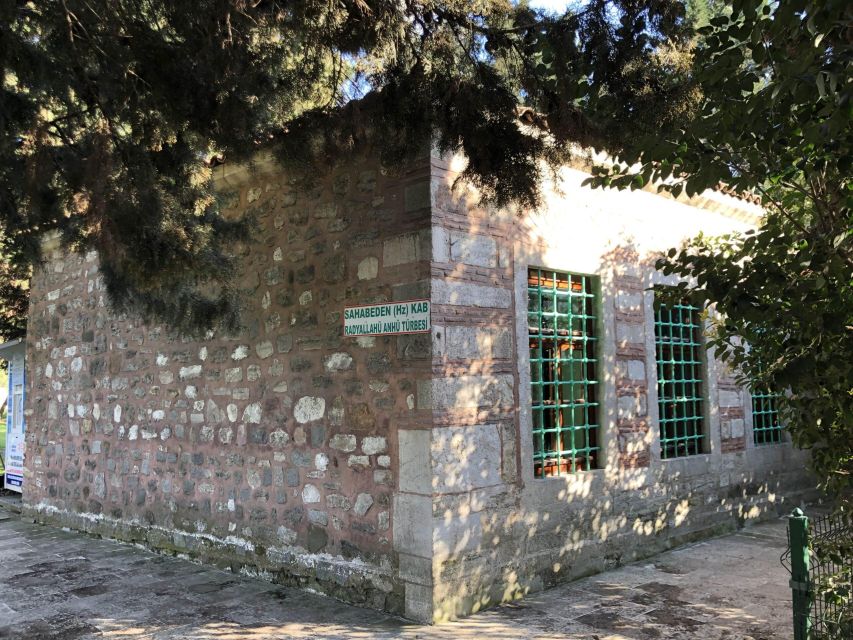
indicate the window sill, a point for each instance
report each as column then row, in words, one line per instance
column 569, row 476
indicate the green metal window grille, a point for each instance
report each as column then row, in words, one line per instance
column 561, row 325
column 679, row 367
column 766, row 428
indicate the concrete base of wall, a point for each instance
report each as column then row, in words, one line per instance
column 353, row 582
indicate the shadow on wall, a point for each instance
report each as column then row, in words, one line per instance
column 276, row 451
column 498, row 532
column 271, row 449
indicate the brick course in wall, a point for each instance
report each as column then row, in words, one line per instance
column 631, row 385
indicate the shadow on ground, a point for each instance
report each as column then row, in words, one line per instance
column 58, row 585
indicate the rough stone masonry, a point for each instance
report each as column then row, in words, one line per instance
column 391, row 471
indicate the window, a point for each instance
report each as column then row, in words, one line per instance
column 766, row 428
column 679, row 365
column 564, row 388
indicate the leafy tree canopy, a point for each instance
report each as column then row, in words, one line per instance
column 775, row 118
column 14, row 298
column 111, row 109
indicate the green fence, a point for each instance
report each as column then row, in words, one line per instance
column 820, row 560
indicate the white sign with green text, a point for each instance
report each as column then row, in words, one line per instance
column 390, row 318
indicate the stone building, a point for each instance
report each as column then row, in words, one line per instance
column 555, row 419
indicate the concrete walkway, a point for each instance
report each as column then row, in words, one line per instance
column 62, row 585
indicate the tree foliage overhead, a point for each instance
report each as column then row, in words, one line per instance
column 775, row 118
column 14, row 298
column 110, row 110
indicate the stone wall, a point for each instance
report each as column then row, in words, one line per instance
column 273, row 450
column 498, row 532
column 395, row 472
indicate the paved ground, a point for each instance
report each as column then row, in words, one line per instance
column 61, row 585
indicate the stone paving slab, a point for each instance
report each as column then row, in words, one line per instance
column 60, row 585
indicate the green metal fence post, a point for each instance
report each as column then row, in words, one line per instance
column 798, row 527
